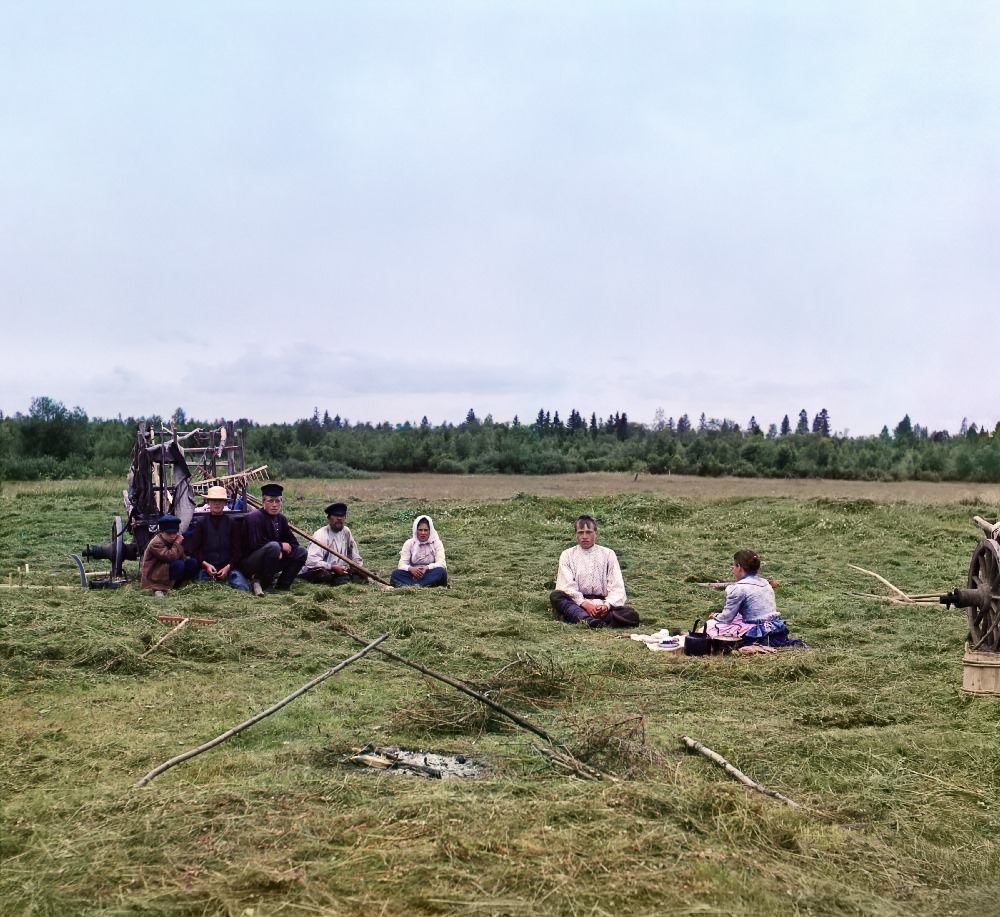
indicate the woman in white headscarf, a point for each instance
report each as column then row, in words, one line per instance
column 422, row 561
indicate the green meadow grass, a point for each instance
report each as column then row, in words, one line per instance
column 898, row 772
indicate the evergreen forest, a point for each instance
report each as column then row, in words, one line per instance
column 52, row 441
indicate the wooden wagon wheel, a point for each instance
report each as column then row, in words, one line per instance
column 984, row 581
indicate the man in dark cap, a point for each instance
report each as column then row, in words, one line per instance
column 322, row 565
column 270, row 548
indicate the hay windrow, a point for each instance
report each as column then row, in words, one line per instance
column 524, row 684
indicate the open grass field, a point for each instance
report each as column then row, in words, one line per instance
column 898, row 772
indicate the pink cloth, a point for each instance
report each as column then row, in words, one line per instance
column 736, row 628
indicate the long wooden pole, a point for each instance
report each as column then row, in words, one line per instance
column 559, row 753
column 455, row 683
column 894, row 589
column 274, row 708
column 254, row 502
column 184, row 623
column 722, row 584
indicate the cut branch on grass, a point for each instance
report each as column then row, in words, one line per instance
column 735, row 772
column 274, row 708
column 568, row 762
column 523, row 682
column 618, row 745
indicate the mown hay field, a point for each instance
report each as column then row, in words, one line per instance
column 897, row 770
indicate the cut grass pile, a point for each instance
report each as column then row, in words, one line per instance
column 897, row 770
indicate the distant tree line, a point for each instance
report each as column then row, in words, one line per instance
column 52, row 441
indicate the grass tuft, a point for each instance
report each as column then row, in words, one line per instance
column 617, row 746
column 524, row 684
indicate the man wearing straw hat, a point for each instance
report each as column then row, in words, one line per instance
column 215, row 543
column 271, row 549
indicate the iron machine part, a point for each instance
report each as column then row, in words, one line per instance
column 981, row 597
column 114, row 551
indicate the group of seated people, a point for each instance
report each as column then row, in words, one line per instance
column 260, row 553
column 590, row 590
column 263, row 554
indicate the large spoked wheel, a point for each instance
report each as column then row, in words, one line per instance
column 117, row 547
column 984, row 614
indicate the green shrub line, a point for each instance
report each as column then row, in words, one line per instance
column 51, row 443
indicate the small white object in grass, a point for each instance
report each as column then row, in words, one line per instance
column 661, row 641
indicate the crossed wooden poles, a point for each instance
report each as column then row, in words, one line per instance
column 556, row 751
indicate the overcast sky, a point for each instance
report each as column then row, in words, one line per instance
column 396, row 209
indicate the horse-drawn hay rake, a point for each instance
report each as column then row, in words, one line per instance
column 161, row 480
column 981, row 596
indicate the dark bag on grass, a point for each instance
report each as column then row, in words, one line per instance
column 623, row 617
column 697, row 643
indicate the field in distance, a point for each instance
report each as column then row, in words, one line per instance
column 498, row 486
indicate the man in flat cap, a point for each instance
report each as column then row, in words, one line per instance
column 322, row 565
column 270, row 548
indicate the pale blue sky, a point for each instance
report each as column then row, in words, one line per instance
column 389, row 210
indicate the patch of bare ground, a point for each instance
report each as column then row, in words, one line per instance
column 499, row 486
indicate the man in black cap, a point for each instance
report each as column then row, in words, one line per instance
column 322, row 565
column 163, row 562
column 270, row 547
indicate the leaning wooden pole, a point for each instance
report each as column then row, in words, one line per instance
column 458, row 685
column 736, row 772
column 896, row 591
column 254, row 502
column 562, row 756
column 274, row 708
